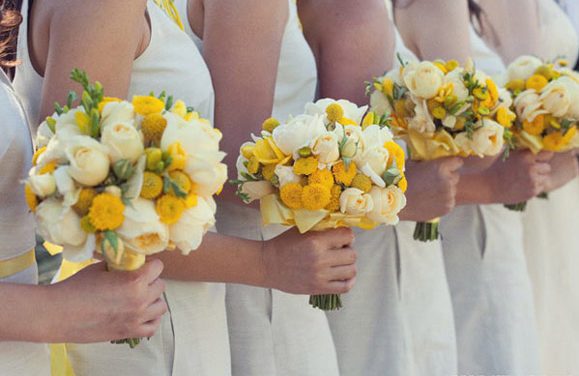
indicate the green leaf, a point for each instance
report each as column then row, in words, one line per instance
column 112, row 238
column 392, row 176
column 123, row 169
column 169, row 103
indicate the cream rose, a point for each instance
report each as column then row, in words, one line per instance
column 464, row 143
column 285, row 175
column 528, row 106
column 388, row 202
column 255, row 190
column 299, row 132
column 351, row 110
column 142, row 230
column 355, row 202
column 196, row 136
column 523, row 68
column 208, row 177
column 487, row 140
column 187, row 234
column 117, row 112
column 123, row 141
column 423, row 79
column 42, row 185
column 556, row 96
column 326, row 148
column 89, row 162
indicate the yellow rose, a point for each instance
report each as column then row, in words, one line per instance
column 388, row 202
column 89, row 162
column 123, row 142
column 355, row 202
column 423, row 79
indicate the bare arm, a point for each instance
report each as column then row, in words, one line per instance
column 353, row 41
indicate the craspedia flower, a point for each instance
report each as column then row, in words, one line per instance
column 335, row 112
column 182, row 181
column 270, row 124
column 344, row 175
column 153, row 126
column 362, row 182
column 291, row 195
column 323, row 177
column 536, row 82
column 85, row 198
column 152, row 186
column 316, row 196
column 145, row 105
column 334, row 204
column 305, row 166
column 396, row 154
column 30, row 197
column 106, row 212
column 535, row 127
column 403, row 184
column 170, row 209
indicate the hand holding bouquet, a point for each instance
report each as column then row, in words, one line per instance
column 442, row 110
column 324, row 169
column 127, row 179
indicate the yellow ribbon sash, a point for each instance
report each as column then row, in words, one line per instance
column 17, row 264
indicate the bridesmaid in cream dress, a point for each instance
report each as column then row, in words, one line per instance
column 550, row 226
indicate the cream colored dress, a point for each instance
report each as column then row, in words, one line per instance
column 17, row 225
column 551, row 236
column 488, row 279
column 273, row 333
column 398, row 319
column 192, row 338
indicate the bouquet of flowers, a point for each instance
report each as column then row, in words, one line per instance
column 324, row 169
column 441, row 109
column 124, row 179
column 547, row 107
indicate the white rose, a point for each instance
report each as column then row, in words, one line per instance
column 207, row 175
column 196, row 136
column 187, row 234
column 299, row 132
column 42, row 185
column 142, row 231
column 423, row 79
column 528, row 106
column 388, row 202
column 376, row 159
column 487, row 140
column 66, row 131
column 285, row 175
column 117, row 112
column 89, row 162
column 351, row 110
column 123, row 141
column 379, row 103
column 355, row 202
column 557, row 97
column 455, row 78
column 326, row 148
column 523, row 68
column 375, row 136
column 255, row 190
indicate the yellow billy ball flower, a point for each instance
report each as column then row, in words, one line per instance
column 335, row 112
column 323, row 177
column 362, row 182
column 268, row 171
column 37, row 155
column 182, row 180
column 396, row 154
column 291, row 195
column 403, row 184
column 344, row 175
column 535, row 127
column 107, row 100
column 334, row 204
column 316, row 196
column 305, row 166
column 31, row 199
column 85, row 198
column 152, row 186
column 270, row 124
column 153, row 126
column 106, row 212
column 178, row 157
column 536, row 82
column 505, row 117
column 146, row 105
column 170, row 209
column 86, row 225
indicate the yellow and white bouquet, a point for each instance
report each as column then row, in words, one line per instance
column 326, row 168
column 124, row 179
column 546, row 101
column 441, row 109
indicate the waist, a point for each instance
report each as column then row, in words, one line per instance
column 17, row 264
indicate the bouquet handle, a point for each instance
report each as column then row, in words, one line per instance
column 427, row 231
column 329, row 302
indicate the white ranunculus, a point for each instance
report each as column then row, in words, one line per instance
column 142, row 230
column 89, row 162
column 187, row 234
column 118, row 112
column 326, row 148
column 423, row 79
column 123, row 141
column 42, row 185
column 557, row 96
column 355, row 202
column 455, row 78
column 487, row 140
column 285, row 175
column 255, row 190
column 376, row 159
column 388, row 202
column 528, row 106
column 298, row 132
column 523, row 68
column 351, row 110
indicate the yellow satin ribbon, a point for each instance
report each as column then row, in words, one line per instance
column 424, row 147
column 168, row 6
column 17, row 264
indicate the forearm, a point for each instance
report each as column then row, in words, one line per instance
column 475, row 189
column 219, row 259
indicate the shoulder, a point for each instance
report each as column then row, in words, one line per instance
column 104, row 12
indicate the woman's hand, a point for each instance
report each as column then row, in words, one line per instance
column 431, row 188
column 564, row 168
column 312, row 263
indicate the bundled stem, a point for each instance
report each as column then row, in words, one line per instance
column 330, row 302
column 427, row 231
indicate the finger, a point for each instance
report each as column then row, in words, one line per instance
column 152, row 270
column 340, row 287
column 341, row 257
column 337, row 238
column 542, row 168
column 148, row 329
column 155, row 290
column 544, row 156
column 155, row 311
column 342, row 273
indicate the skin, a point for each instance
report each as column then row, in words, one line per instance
column 312, row 263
